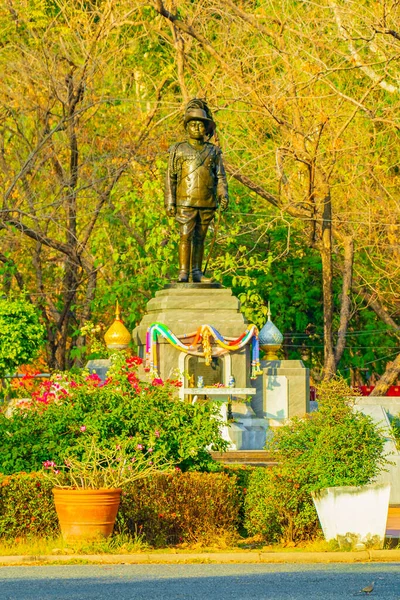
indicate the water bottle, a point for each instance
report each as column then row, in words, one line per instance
column 200, row 381
column 231, row 381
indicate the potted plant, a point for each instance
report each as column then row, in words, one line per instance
column 333, row 451
column 87, row 488
column 352, row 508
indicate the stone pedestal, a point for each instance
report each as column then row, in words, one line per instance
column 99, row 366
column 183, row 308
column 283, row 391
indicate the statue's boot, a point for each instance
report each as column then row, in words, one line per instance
column 184, row 261
column 197, row 260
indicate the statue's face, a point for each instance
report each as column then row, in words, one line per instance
column 196, row 129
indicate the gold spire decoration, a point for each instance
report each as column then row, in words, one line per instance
column 117, row 337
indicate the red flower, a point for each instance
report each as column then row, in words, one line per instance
column 93, row 377
column 157, row 381
column 175, row 382
column 134, row 361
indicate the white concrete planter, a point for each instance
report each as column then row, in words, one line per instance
column 356, row 515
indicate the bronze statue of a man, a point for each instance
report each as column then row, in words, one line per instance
column 195, row 187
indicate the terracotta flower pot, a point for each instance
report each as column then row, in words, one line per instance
column 86, row 514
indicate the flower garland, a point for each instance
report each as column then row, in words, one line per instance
column 202, row 336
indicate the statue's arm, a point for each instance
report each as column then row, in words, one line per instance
column 222, row 184
column 170, row 184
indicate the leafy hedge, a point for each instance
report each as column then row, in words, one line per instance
column 165, row 510
column 26, row 506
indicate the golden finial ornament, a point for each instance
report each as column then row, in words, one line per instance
column 117, row 337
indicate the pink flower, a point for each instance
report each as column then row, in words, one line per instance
column 82, row 428
column 157, row 381
column 48, row 464
column 139, row 447
column 118, row 447
column 150, row 450
column 157, row 434
column 178, row 469
column 56, row 471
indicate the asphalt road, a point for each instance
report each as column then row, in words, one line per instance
column 199, row 581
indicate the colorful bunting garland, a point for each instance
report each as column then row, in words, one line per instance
column 202, row 337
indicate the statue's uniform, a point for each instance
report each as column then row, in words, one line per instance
column 195, row 180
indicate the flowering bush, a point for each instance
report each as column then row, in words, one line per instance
column 103, row 467
column 58, row 415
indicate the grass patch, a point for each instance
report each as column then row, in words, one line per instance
column 36, row 546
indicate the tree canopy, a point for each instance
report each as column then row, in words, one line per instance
column 305, row 96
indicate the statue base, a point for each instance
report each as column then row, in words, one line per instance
column 205, row 286
column 183, row 308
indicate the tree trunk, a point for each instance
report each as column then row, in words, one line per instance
column 327, row 278
column 388, row 378
column 345, row 300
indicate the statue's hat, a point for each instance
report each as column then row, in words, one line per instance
column 198, row 114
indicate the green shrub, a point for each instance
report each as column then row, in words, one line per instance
column 334, row 446
column 185, row 507
column 164, row 510
column 150, row 415
column 242, row 473
column 395, row 424
column 278, row 507
column 21, row 334
column 26, row 506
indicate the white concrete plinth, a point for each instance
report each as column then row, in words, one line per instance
column 224, row 394
column 246, row 432
column 355, row 514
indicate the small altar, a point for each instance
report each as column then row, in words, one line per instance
column 182, row 321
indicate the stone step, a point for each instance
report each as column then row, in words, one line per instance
column 259, row 458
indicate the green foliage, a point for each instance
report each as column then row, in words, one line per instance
column 395, row 424
column 142, row 414
column 26, row 506
column 21, row 334
column 278, row 507
column 335, row 446
column 162, row 510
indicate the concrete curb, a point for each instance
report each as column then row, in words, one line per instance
column 209, row 557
